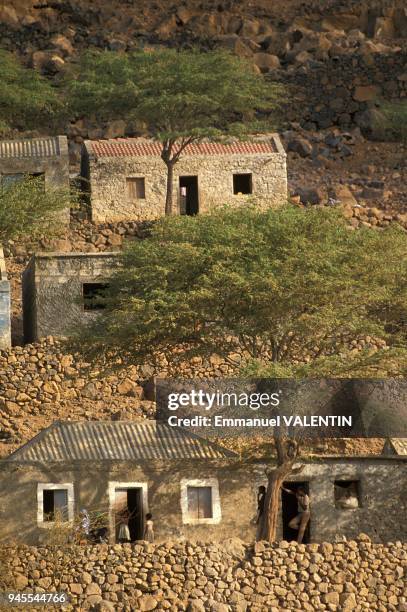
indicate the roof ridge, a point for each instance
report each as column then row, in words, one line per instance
column 92, row 440
column 39, row 436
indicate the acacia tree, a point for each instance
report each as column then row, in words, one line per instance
column 28, row 209
column 273, row 284
column 181, row 97
column 27, row 100
column 266, row 285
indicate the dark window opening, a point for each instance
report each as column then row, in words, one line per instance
column 55, row 504
column 347, row 494
column 199, row 502
column 136, row 188
column 290, row 510
column 242, row 184
column 129, row 511
column 94, row 295
column 189, row 198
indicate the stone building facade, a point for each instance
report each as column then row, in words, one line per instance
column 127, row 177
column 5, row 324
column 194, row 489
column 61, row 290
column 47, row 157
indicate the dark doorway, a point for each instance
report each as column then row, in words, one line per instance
column 135, row 508
column 129, row 509
column 189, row 201
column 290, row 510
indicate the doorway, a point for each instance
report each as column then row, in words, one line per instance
column 289, row 510
column 189, row 200
column 128, row 509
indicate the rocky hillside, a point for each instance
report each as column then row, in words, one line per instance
column 336, row 58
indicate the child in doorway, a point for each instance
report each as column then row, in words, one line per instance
column 149, row 528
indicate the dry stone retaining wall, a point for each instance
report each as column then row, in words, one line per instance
column 341, row 90
column 354, row 575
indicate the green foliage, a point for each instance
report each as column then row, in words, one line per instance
column 175, row 93
column 276, row 283
column 179, row 96
column 393, row 118
column 28, row 210
column 27, row 100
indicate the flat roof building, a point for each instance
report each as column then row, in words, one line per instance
column 63, row 290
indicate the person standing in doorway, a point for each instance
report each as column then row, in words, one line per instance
column 301, row 520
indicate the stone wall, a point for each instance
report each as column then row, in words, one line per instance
column 5, row 324
column 110, row 203
column 53, row 301
column 341, row 90
column 235, row 577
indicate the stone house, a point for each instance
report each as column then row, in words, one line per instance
column 45, row 157
column 196, row 490
column 61, row 290
column 126, row 177
column 5, row 324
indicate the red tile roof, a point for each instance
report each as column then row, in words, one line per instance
column 130, row 147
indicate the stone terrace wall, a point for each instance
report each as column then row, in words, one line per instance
column 338, row 91
column 355, row 575
column 5, row 325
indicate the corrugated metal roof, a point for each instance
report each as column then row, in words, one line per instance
column 34, row 147
column 116, row 440
column 136, row 147
column 399, row 445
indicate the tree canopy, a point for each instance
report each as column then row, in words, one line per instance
column 27, row 100
column 276, row 283
column 28, row 210
column 179, row 96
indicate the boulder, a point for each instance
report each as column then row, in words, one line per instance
column 300, row 145
column 266, row 61
column 311, row 195
column 147, row 603
column 63, row 44
column 8, row 16
column 366, row 93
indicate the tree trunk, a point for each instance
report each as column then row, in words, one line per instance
column 276, row 477
column 170, row 181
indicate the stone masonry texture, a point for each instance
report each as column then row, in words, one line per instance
column 53, row 290
column 234, row 576
column 110, row 202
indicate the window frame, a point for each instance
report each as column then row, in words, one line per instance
column 358, row 483
column 132, row 180
column 216, row 506
column 41, row 487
